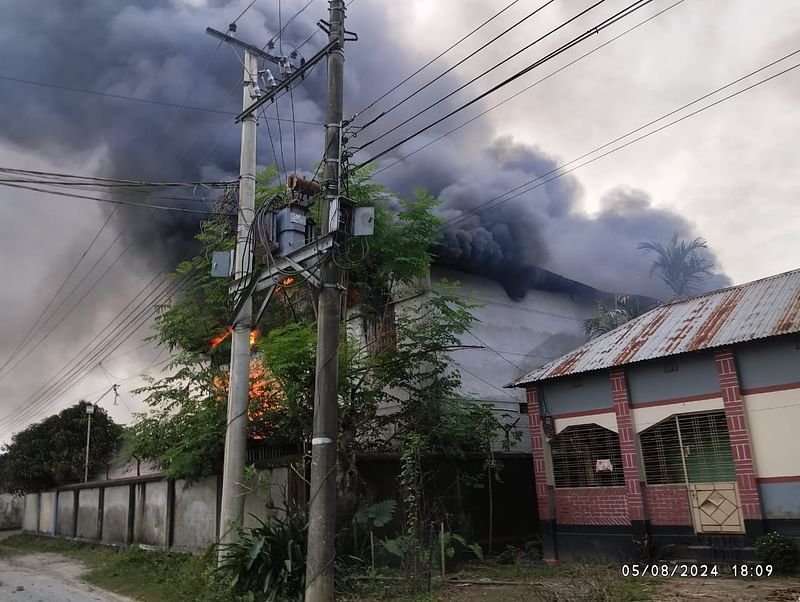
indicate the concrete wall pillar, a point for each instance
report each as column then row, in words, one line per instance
column 740, row 440
column 630, row 460
column 547, row 526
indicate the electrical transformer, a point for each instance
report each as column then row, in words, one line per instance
column 291, row 225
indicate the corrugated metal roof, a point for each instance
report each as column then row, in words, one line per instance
column 754, row 310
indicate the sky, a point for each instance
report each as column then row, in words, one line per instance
column 727, row 173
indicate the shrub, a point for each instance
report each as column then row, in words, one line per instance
column 777, row 550
column 508, row 556
column 269, row 558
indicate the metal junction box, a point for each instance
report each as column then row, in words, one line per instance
column 222, row 264
column 363, row 221
column 290, row 229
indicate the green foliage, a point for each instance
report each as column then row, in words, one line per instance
column 52, row 452
column 189, row 321
column 368, row 520
column 680, row 264
column 375, row 515
column 453, row 543
column 398, row 248
column 184, row 431
column 508, row 555
column 269, row 558
column 777, row 550
column 290, row 353
column 610, row 316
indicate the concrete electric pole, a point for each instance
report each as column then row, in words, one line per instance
column 89, row 412
column 322, row 500
column 232, row 510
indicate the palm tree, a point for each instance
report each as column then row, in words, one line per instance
column 680, row 264
column 608, row 317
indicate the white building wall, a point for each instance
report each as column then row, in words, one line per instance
column 772, row 420
column 512, row 338
column 508, row 339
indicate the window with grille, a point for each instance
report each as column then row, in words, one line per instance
column 693, row 448
column 381, row 332
column 587, row 455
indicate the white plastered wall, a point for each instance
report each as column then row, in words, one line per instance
column 772, row 421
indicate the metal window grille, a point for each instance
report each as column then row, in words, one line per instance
column 688, row 448
column 582, row 455
column 381, row 331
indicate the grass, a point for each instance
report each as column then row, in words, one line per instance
column 150, row 576
column 510, row 583
column 157, row 576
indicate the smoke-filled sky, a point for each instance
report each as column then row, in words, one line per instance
column 727, row 174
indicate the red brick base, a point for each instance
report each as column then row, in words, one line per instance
column 668, row 505
column 591, row 506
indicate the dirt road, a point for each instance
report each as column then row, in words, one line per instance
column 47, row 578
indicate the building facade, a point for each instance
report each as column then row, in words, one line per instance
column 676, row 430
column 510, row 337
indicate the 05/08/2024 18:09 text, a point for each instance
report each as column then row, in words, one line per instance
column 682, row 569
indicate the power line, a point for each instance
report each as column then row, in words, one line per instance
column 526, row 88
column 112, row 338
column 78, row 302
column 593, row 31
column 27, row 335
column 497, row 353
column 112, row 201
column 479, row 76
column 496, row 201
column 280, row 140
column 150, row 101
column 441, row 75
column 113, row 341
column 116, row 181
column 124, row 353
column 486, row 382
column 288, row 22
column 316, row 31
column 437, row 57
column 242, row 14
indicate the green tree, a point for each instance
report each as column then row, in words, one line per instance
column 680, row 264
column 611, row 315
column 184, row 430
column 52, row 452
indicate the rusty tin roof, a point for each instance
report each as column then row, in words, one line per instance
column 755, row 310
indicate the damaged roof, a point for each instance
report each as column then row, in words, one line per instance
column 755, row 310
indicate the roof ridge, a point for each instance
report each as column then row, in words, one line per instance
column 727, row 288
column 706, row 324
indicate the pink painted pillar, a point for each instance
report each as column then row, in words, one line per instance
column 547, row 525
column 627, row 444
column 537, row 447
column 740, row 439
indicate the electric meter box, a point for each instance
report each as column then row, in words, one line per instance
column 290, row 229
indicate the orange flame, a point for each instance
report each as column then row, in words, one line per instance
column 216, row 341
column 288, row 281
column 265, row 394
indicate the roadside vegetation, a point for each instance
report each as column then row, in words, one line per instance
column 154, row 576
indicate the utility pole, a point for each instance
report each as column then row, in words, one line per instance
column 322, row 502
column 89, row 412
column 232, row 510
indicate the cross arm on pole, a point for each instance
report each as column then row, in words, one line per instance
column 255, row 50
column 299, row 74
